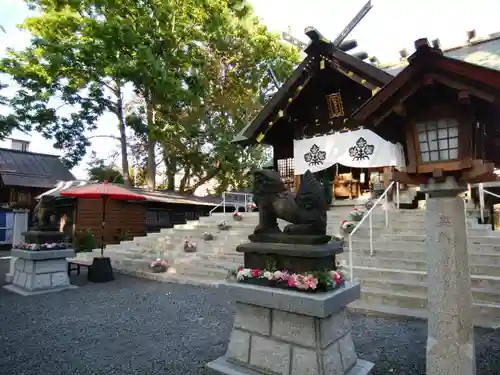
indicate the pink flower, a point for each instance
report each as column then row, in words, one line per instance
column 292, row 281
column 255, row 272
column 236, row 213
column 344, row 221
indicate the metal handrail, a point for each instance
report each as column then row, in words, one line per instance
column 369, row 215
column 482, row 190
column 223, row 202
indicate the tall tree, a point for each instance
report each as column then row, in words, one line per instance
column 198, row 65
column 99, row 170
column 66, row 66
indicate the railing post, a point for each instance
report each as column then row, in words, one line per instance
column 397, row 194
column 246, row 205
column 350, row 258
column 224, row 202
column 481, row 201
column 386, row 212
column 371, row 235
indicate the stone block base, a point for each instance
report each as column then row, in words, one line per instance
column 225, row 367
column 24, row 292
column 290, row 333
column 40, row 272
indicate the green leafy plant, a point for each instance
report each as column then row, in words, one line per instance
column 84, row 241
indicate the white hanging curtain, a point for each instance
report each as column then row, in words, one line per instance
column 357, row 149
column 314, row 154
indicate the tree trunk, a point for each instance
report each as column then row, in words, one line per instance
column 151, row 166
column 210, row 174
column 185, row 179
column 123, row 136
column 171, row 167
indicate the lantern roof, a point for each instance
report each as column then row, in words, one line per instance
column 427, row 65
column 359, row 72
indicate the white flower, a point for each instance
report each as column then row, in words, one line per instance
column 268, row 275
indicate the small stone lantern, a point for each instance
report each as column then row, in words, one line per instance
column 445, row 111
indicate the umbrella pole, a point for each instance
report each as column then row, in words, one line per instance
column 104, row 200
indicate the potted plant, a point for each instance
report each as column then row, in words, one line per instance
column 346, row 226
column 237, row 216
column 251, row 207
column 207, row 236
column 223, row 225
column 356, row 215
column 159, row 266
column 189, row 247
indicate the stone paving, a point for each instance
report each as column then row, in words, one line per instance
column 142, row 327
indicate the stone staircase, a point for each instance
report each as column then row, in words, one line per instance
column 393, row 280
column 213, row 259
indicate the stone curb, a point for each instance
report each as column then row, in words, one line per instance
column 161, row 277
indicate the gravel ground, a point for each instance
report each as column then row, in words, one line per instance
column 141, row 327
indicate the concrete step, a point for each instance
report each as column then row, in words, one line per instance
column 491, row 295
column 475, row 245
column 201, row 271
column 483, row 311
column 410, row 239
column 417, row 265
column 418, row 253
column 413, row 276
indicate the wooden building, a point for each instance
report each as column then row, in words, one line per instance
column 124, row 219
column 318, row 98
column 23, row 176
column 445, row 111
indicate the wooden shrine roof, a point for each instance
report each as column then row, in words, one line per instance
column 430, row 62
column 361, row 73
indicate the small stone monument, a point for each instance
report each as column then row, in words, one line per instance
column 41, row 264
column 450, row 340
column 280, row 329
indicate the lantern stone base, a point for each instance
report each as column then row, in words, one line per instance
column 37, row 272
column 286, row 332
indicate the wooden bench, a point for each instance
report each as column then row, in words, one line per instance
column 74, row 264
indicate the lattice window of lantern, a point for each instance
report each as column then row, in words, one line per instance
column 438, row 140
column 335, row 106
column 286, row 171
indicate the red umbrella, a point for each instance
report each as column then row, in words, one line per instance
column 103, row 191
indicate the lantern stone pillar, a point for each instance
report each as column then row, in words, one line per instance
column 450, row 340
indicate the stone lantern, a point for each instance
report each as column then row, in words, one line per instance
column 446, row 113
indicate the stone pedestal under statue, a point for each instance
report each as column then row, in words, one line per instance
column 37, row 272
column 278, row 331
column 450, row 341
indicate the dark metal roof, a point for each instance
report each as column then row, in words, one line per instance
column 21, row 168
column 483, row 52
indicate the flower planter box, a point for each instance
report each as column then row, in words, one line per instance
column 284, row 285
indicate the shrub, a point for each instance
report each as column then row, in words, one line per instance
column 84, row 241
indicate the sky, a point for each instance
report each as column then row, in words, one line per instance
column 390, row 26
